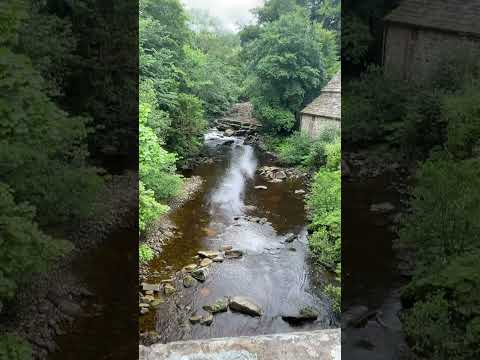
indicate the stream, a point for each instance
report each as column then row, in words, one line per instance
column 277, row 276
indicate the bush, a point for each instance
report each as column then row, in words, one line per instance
column 145, row 253
column 14, row 348
column 461, row 112
column 149, row 209
column 445, row 209
column 443, row 319
column 324, row 206
column 334, row 292
column 24, row 248
column 295, row 149
column 275, row 120
column 373, row 107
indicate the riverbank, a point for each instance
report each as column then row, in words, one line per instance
column 47, row 309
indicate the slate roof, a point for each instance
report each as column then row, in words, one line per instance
column 328, row 104
column 460, row 16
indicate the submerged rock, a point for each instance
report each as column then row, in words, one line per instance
column 218, row 259
column 208, row 254
column 150, row 287
column 227, row 247
column 290, row 237
column 169, row 289
column 195, row 319
column 206, row 262
column 200, row 274
column 306, row 314
column 233, row 254
column 190, row 268
column 245, row 306
column 221, row 305
column 189, row 281
column 207, row 320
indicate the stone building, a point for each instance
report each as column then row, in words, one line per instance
column 325, row 110
column 421, row 34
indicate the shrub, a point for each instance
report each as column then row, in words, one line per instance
column 461, row 112
column 275, row 120
column 145, row 253
column 295, row 149
column 149, row 208
column 443, row 319
column 14, row 348
column 324, row 206
column 24, row 248
column 445, row 209
column 334, row 291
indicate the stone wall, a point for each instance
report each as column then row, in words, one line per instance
column 315, row 345
column 314, row 125
column 415, row 54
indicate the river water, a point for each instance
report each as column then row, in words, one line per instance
column 275, row 275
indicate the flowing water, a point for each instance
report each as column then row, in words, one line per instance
column 275, row 275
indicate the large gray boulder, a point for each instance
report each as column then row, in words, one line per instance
column 245, row 306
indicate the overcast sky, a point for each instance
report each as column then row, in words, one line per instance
column 230, row 12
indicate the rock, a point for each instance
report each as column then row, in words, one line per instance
column 221, row 305
column 206, row 262
column 263, row 221
column 299, row 192
column 200, row 274
column 189, row 281
column 290, row 237
column 144, row 305
column 169, row 289
column 151, row 287
column 190, row 268
column 207, row 320
column 69, row 308
column 195, row 319
column 147, row 299
column 249, row 208
column 144, row 311
column 149, row 292
column 304, row 315
column 229, row 132
column 292, row 249
column 228, row 142
column 227, row 247
column 280, row 175
column 261, row 187
column 218, row 259
column 245, row 306
column 208, row 254
column 354, row 316
column 274, row 181
column 383, row 208
column 156, row 303
column 233, row 254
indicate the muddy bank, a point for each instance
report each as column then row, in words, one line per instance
column 48, row 307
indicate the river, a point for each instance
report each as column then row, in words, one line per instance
column 275, row 275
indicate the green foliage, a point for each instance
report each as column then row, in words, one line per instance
column 334, row 291
column 324, row 205
column 145, row 254
column 461, row 112
column 300, row 150
column 43, row 149
column 14, row 348
column 356, row 39
column 445, row 204
column 24, row 248
column 149, row 209
column 188, row 126
column 374, row 107
column 289, row 59
column 443, row 321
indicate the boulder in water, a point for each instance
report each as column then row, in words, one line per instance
column 200, row 274
column 261, row 187
column 245, row 306
column 208, row 254
column 305, row 315
column 206, row 262
column 233, row 254
column 229, row 132
column 221, row 305
column 290, row 237
column 169, row 289
column 189, row 281
column 207, row 320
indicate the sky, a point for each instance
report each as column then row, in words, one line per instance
column 229, row 12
